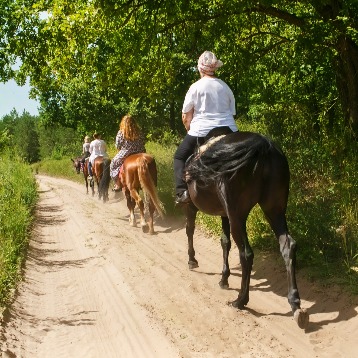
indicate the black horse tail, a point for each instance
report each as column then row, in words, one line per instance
column 225, row 158
column 106, row 178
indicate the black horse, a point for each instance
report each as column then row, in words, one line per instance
column 228, row 179
column 77, row 164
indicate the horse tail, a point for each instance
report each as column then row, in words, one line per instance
column 106, row 177
column 147, row 183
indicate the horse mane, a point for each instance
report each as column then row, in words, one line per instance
column 224, row 158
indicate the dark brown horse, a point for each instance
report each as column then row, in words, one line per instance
column 237, row 172
column 139, row 171
column 101, row 174
column 77, row 163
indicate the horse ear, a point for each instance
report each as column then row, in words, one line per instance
column 72, row 160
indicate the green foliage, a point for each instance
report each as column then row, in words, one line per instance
column 92, row 62
column 22, row 136
column 164, row 159
column 57, row 141
column 18, row 195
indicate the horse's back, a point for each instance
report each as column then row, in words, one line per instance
column 134, row 157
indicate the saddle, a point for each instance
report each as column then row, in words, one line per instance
column 121, row 171
column 211, row 138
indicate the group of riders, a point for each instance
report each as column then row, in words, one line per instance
column 209, row 103
column 129, row 140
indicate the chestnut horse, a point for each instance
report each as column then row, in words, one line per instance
column 139, row 171
column 77, row 163
column 228, row 179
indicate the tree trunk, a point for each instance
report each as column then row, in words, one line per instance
column 347, row 81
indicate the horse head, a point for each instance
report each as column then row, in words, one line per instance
column 77, row 164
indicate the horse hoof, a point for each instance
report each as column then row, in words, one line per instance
column 192, row 265
column 302, row 318
column 224, row 286
column 145, row 229
column 239, row 304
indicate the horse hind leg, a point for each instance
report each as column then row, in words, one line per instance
column 288, row 251
column 277, row 220
column 91, row 183
column 144, row 225
column 226, row 246
column 151, row 209
column 86, row 183
column 130, row 206
column 190, row 213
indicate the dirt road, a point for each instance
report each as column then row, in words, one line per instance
column 96, row 287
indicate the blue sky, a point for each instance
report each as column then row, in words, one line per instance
column 13, row 96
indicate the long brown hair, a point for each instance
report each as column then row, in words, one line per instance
column 129, row 128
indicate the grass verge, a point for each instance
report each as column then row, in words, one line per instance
column 18, row 196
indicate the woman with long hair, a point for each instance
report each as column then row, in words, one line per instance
column 129, row 140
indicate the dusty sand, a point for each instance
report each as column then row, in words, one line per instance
column 95, row 287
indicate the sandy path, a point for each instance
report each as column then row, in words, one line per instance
column 96, row 287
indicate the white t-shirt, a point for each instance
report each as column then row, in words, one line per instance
column 97, row 148
column 85, row 147
column 214, row 106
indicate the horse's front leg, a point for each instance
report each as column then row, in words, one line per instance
column 226, row 246
column 190, row 211
column 238, row 231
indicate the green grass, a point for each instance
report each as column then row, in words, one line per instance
column 164, row 159
column 62, row 168
column 18, row 196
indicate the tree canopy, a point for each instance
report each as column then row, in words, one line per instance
column 89, row 62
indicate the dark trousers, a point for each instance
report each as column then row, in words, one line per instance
column 184, row 151
column 84, row 156
column 89, row 166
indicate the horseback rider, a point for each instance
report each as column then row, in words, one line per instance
column 85, row 150
column 129, row 140
column 209, row 103
column 97, row 148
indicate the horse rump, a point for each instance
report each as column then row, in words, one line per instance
column 226, row 156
